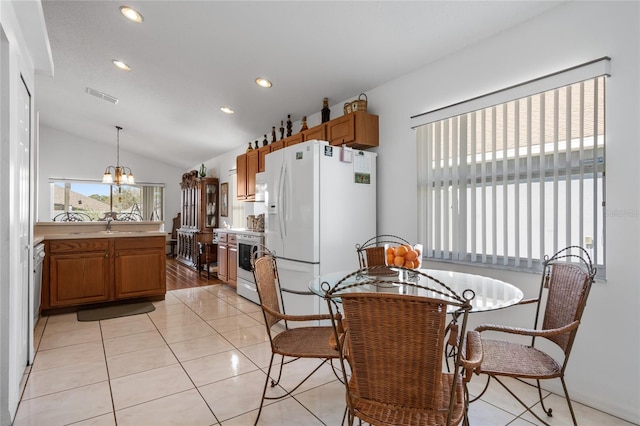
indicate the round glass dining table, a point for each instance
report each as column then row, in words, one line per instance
column 490, row 293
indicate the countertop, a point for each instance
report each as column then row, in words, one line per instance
column 74, row 230
column 239, row 231
column 101, row 234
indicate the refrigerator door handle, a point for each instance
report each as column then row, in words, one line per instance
column 281, row 196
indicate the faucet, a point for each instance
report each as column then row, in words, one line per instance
column 109, row 220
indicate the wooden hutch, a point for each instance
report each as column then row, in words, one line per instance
column 199, row 215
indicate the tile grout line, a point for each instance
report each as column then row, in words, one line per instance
column 106, row 364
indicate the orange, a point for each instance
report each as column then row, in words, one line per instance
column 401, row 251
column 411, row 255
column 390, row 257
column 398, row 261
column 390, row 250
column 408, row 263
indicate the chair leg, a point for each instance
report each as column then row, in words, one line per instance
column 566, row 395
column 549, row 411
column 274, row 383
column 264, row 390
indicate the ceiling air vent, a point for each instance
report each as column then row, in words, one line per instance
column 103, row 96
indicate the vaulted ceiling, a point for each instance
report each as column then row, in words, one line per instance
column 189, row 58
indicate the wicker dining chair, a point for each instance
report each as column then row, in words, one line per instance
column 301, row 342
column 371, row 252
column 394, row 347
column 568, row 277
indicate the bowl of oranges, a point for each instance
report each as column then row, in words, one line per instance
column 405, row 256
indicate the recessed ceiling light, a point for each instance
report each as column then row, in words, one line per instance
column 131, row 14
column 226, row 110
column 121, row 65
column 263, row 82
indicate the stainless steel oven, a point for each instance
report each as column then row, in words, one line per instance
column 248, row 245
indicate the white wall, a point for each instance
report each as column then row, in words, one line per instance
column 604, row 370
column 63, row 155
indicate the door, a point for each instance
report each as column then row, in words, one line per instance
column 292, row 194
column 271, row 174
column 299, row 202
column 19, row 284
column 79, row 277
column 347, row 207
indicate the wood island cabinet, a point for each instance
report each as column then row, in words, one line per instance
column 92, row 270
column 79, row 272
column 199, row 216
column 139, row 267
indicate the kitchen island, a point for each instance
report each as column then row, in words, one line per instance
column 86, row 264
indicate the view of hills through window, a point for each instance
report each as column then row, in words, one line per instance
column 87, row 201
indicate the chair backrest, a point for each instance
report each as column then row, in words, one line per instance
column 395, row 342
column 396, row 347
column 569, row 283
column 266, row 276
column 371, row 252
column 175, row 226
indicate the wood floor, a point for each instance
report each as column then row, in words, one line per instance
column 180, row 276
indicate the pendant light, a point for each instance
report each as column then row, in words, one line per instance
column 123, row 175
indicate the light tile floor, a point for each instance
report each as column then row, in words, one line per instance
column 200, row 359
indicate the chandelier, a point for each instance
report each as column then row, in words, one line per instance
column 123, row 175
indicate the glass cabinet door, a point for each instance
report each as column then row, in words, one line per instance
column 211, row 205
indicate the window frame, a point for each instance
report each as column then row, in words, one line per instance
column 553, row 81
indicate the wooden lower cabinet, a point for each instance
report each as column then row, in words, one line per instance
column 227, row 258
column 139, row 268
column 232, row 260
column 78, row 278
column 86, row 271
column 223, row 273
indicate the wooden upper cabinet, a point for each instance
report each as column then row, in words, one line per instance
column 262, row 152
column 277, row 145
column 356, row 130
column 241, row 176
column 293, row 139
column 318, row 132
column 252, row 169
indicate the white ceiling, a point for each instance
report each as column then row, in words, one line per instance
column 189, row 58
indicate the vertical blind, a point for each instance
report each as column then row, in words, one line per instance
column 512, row 182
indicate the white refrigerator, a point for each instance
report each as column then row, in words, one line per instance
column 321, row 202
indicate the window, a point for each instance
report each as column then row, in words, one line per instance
column 507, row 184
column 89, row 201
